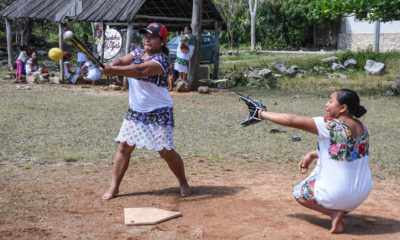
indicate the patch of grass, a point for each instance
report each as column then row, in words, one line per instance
column 70, row 158
column 225, row 168
column 27, row 166
column 214, row 159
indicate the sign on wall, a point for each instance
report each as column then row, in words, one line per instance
column 112, row 45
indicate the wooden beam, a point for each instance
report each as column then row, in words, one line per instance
column 103, row 36
column 170, row 18
column 216, row 57
column 60, row 45
column 9, row 43
column 194, row 65
column 128, row 48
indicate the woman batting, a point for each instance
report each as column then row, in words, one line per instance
column 149, row 122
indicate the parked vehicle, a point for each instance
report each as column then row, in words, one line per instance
column 207, row 48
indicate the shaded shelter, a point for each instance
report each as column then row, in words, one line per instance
column 131, row 13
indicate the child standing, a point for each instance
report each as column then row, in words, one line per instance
column 21, row 61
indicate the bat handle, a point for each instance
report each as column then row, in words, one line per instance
column 99, row 63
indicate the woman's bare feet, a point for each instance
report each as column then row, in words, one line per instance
column 337, row 225
column 185, row 189
column 110, row 194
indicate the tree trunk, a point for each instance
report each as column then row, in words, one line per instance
column 25, row 27
column 194, row 71
column 315, row 35
column 253, row 23
column 377, row 33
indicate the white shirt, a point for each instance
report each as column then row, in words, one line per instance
column 147, row 96
column 343, row 182
column 81, row 57
column 93, row 71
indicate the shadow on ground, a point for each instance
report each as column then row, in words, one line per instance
column 199, row 193
column 356, row 224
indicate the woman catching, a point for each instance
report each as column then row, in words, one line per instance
column 341, row 181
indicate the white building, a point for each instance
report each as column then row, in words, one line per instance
column 359, row 35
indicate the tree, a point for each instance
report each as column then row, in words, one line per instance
column 253, row 10
column 371, row 10
column 233, row 13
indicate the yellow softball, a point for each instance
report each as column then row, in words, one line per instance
column 55, row 54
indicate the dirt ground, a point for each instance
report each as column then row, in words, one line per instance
column 251, row 200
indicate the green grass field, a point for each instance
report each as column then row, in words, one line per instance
column 63, row 125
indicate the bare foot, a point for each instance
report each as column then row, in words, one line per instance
column 337, row 225
column 185, row 189
column 110, row 194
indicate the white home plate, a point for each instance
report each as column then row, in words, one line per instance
column 148, row 216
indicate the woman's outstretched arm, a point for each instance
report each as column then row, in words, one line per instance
column 290, row 120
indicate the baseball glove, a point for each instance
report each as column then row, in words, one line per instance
column 254, row 107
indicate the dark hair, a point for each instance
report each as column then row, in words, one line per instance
column 164, row 47
column 187, row 26
column 352, row 100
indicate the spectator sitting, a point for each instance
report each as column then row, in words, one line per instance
column 93, row 71
column 68, row 73
column 21, row 62
column 172, row 77
column 82, row 58
column 32, row 66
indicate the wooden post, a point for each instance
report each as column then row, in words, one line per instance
column 128, row 48
column 103, row 36
column 216, row 57
column 9, row 43
column 194, row 65
column 60, row 45
column 92, row 24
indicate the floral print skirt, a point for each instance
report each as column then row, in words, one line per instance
column 152, row 130
column 305, row 189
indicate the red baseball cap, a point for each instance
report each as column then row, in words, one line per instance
column 156, row 29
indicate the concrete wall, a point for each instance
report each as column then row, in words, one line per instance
column 359, row 35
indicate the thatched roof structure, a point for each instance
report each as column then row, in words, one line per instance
column 50, row 10
column 172, row 13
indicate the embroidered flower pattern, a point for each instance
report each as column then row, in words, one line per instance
column 307, row 191
column 343, row 147
column 159, row 80
column 161, row 116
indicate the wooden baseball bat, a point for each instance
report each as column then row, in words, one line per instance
column 70, row 36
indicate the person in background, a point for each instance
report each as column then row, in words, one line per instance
column 82, row 58
column 70, row 75
column 184, row 53
column 172, row 77
column 32, row 66
column 93, row 72
column 21, row 62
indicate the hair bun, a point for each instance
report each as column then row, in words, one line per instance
column 360, row 111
